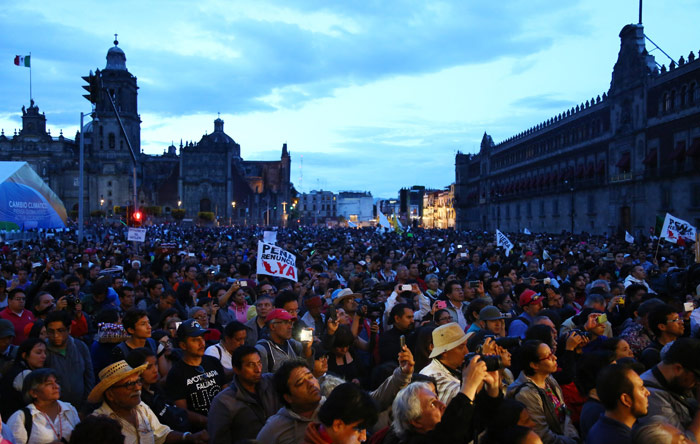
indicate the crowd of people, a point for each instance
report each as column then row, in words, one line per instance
column 427, row 336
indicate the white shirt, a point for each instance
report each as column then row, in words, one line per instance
column 150, row 430
column 43, row 429
column 447, row 384
column 219, row 352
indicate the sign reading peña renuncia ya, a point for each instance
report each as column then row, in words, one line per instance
column 274, row 261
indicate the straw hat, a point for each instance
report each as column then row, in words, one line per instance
column 446, row 337
column 112, row 374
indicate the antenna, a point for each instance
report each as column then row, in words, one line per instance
column 301, row 173
column 640, row 12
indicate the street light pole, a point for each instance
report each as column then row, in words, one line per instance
column 81, row 196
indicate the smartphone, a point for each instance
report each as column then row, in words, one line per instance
column 689, row 306
column 406, row 287
column 307, row 335
column 546, row 281
column 473, row 284
column 602, row 318
column 243, row 283
column 462, row 254
column 177, row 325
column 441, row 305
column 402, row 341
column 459, row 246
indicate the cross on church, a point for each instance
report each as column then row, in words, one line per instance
column 116, row 42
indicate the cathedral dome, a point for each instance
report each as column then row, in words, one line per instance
column 219, row 139
column 116, row 59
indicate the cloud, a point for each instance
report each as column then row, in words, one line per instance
column 543, row 102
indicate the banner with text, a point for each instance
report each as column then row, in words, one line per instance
column 677, row 230
column 274, row 261
column 503, row 241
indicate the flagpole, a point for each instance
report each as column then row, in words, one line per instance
column 30, row 77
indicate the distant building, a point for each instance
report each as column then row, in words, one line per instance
column 207, row 176
column 607, row 165
column 356, row 206
column 318, row 207
column 438, row 208
column 411, row 204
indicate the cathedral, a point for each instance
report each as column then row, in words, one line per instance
column 205, row 178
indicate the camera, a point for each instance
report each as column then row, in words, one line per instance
column 493, row 362
column 509, row 342
column 585, row 334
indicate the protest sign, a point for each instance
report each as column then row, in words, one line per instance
column 274, row 261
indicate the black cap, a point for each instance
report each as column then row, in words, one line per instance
column 686, row 352
column 189, row 329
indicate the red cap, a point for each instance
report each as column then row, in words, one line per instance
column 314, row 301
column 528, row 297
column 279, row 314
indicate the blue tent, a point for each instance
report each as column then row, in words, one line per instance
column 26, row 201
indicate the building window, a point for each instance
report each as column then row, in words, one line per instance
column 695, row 196
column 591, row 203
column 111, row 141
column 542, row 208
column 517, row 211
column 665, row 198
column 529, row 210
column 555, row 207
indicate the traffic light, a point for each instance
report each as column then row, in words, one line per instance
column 94, row 87
column 136, row 218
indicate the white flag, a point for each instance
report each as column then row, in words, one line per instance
column 270, row 237
column 383, row 221
column 274, row 261
column 526, row 231
column 629, row 238
column 502, row 241
column 675, row 229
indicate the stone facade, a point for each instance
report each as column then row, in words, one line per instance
column 438, row 208
column 318, row 207
column 207, row 176
column 608, row 165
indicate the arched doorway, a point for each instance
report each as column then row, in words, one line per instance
column 205, row 205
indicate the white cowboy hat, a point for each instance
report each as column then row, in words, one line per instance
column 446, row 337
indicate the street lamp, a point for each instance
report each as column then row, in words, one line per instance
column 233, row 208
column 179, row 203
column 102, row 201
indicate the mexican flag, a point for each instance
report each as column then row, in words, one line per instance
column 23, row 61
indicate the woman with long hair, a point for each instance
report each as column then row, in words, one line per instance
column 31, row 355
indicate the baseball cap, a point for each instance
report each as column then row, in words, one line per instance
column 686, row 352
column 6, row 328
column 528, row 297
column 490, row 313
column 190, row 329
column 278, row 314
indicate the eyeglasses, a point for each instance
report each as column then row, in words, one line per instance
column 130, row 385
